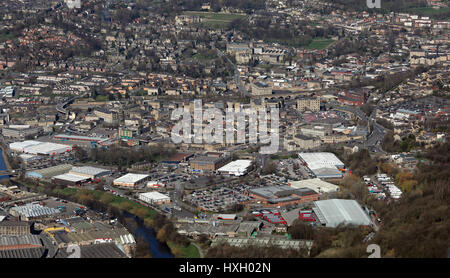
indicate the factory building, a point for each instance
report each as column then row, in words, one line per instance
column 131, row 180
column 49, row 172
column 32, row 211
column 316, row 184
column 334, row 212
column 323, row 165
column 39, row 148
column 70, row 179
column 154, row 198
column 236, row 168
column 273, row 196
column 88, row 171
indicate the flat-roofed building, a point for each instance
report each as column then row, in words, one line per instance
column 154, row 198
column 70, row 179
column 238, row 167
column 273, row 196
column 131, row 180
column 90, row 172
column 323, row 164
column 316, row 184
column 335, row 212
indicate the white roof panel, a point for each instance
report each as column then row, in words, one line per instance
column 131, row 178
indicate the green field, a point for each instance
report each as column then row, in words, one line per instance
column 429, row 11
column 216, row 20
column 186, row 252
column 319, row 44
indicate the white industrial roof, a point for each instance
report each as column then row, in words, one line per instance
column 321, row 160
column 237, row 166
column 71, row 177
column 19, row 146
column 131, row 178
column 47, row 148
column 316, row 184
column 36, row 147
column 153, row 195
column 337, row 211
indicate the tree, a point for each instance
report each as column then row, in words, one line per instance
column 106, row 198
column 162, row 235
column 125, row 206
column 301, row 230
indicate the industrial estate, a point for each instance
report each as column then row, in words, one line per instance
column 357, row 104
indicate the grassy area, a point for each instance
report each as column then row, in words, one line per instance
column 101, row 98
column 185, row 252
column 429, row 11
column 145, row 213
column 319, row 44
column 216, row 20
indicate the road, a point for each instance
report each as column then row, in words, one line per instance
column 373, row 141
column 237, row 77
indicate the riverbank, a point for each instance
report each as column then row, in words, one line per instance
column 104, row 201
column 5, row 158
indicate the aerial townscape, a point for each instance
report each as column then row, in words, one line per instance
column 224, row 129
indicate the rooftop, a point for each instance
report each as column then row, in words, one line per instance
column 131, row 178
column 337, row 211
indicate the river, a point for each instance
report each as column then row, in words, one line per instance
column 157, row 249
column 3, row 166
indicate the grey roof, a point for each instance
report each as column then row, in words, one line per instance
column 31, row 253
column 34, row 210
column 8, row 240
column 281, row 193
column 12, row 223
column 337, row 211
column 103, row 250
column 89, row 170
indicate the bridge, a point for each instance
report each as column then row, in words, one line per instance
column 61, row 107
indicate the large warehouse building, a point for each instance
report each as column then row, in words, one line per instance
column 131, row 180
column 70, row 179
column 49, row 172
column 41, row 148
column 236, row 168
column 323, row 165
column 334, row 212
column 316, row 184
column 90, row 172
column 273, row 196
